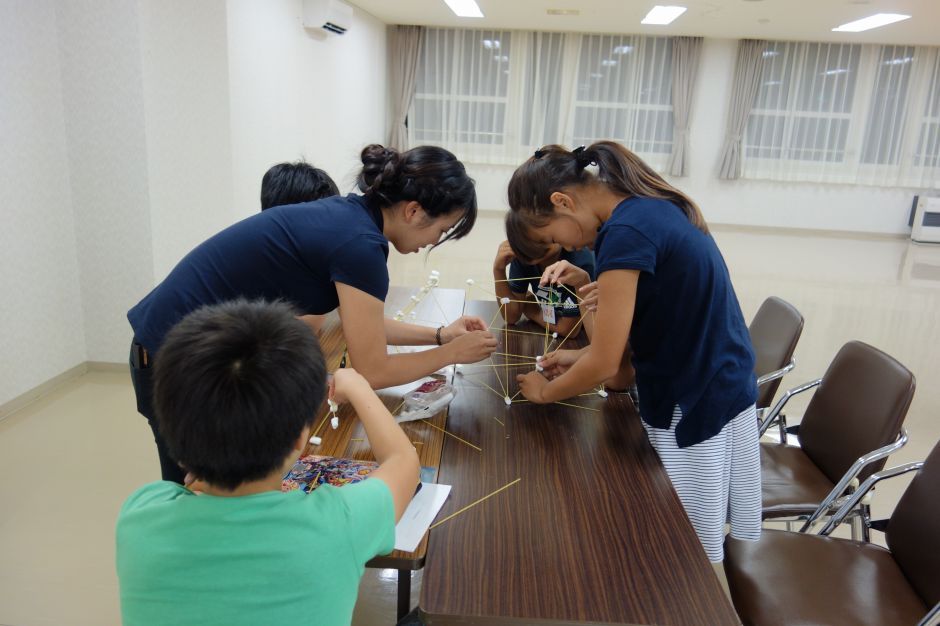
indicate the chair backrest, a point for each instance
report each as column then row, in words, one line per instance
column 775, row 330
column 859, row 407
column 913, row 532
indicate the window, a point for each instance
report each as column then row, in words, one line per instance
column 495, row 96
column 846, row 113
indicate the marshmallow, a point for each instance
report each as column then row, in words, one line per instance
column 539, row 368
column 538, row 358
column 334, row 422
column 470, row 281
column 414, row 298
column 554, row 335
column 507, row 400
column 316, row 440
column 602, row 393
column 504, row 300
column 435, row 273
column 332, row 404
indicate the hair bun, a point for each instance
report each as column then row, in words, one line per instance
column 380, row 166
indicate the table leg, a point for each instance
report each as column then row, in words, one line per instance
column 404, row 593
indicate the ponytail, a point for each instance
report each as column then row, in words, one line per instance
column 555, row 168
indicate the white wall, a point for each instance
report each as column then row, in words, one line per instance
column 298, row 94
column 746, row 202
column 99, row 48
column 41, row 328
column 184, row 49
column 132, row 131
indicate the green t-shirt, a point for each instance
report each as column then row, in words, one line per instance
column 268, row 558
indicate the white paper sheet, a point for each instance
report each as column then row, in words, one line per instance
column 422, row 510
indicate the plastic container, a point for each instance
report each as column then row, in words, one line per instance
column 426, row 400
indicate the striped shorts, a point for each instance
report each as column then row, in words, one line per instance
column 717, row 480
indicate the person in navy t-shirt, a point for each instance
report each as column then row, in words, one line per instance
column 664, row 292
column 554, row 306
column 327, row 254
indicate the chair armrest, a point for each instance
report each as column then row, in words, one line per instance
column 932, row 618
column 774, row 412
column 774, row 375
column 863, row 489
column 849, row 476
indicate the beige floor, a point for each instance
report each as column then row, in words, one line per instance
column 68, row 460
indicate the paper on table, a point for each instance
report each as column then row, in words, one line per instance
column 417, row 518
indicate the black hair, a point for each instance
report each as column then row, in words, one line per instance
column 234, row 386
column 555, row 168
column 428, row 175
column 293, row 183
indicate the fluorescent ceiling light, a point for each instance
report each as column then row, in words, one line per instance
column 663, row 15
column 835, row 72
column 464, row 8
column 873, row 21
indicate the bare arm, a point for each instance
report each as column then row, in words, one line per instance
column 601, row 360
column 362, row 316
column 398, row 461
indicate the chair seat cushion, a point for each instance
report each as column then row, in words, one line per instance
column 790, row 482
column 795, row 578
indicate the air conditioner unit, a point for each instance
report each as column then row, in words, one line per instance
column 925, row 225
column 332, row 16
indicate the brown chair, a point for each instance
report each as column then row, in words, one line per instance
column 799, row 578
column 852, row 423
column 775, row 331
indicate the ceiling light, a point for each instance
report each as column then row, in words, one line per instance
column 899, row 61
column 623, row 50
column 873, row 21
column 491, row 44
column 464, row 8
column 835, row 72
column 662, row 15
column 769, row 53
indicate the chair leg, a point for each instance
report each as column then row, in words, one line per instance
column 782, row 425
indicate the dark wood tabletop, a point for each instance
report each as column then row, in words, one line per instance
column 349, row 440
column 592, row 533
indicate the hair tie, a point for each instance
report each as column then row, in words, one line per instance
column 540, row 153
column 582, row 157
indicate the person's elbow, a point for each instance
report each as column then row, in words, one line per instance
column 373, row 370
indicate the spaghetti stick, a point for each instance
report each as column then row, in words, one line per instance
column 452, row 515
column 578, row 406
column 573, row 328
column 452, row 435
column 508, row 280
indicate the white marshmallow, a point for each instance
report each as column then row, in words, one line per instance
column 602, row 393
column 539, row 368
column 316, row 440
column 470, row 281
column 554, row 335
column 332, row 404
column 334, row 422
column 504, row 300
column 538, row 358
column 507, row 400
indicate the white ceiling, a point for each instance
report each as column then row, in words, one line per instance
column 810, row 20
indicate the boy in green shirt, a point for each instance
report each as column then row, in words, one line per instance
column 236, row 388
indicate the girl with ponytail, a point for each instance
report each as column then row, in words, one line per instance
column 326, row 254
column 664, row 293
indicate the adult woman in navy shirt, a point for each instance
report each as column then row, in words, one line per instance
column 327, row 254
column 663, row 290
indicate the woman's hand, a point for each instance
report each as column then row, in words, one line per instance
column 564, row 273
column 504, row 255
column 462, row 326
column 532, row 386
column 472, row 347
column 589, row 293
column 558, row 362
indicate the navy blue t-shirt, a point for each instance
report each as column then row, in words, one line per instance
column 522, row 276
column 690, row 343
column 294, row 253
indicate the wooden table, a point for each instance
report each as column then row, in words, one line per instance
column 349, row 440
column 593, row 533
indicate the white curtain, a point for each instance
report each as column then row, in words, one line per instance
column 846, row 113
column 746, row 81
column 685, row 55
column 496, row 96
column 404, row 49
